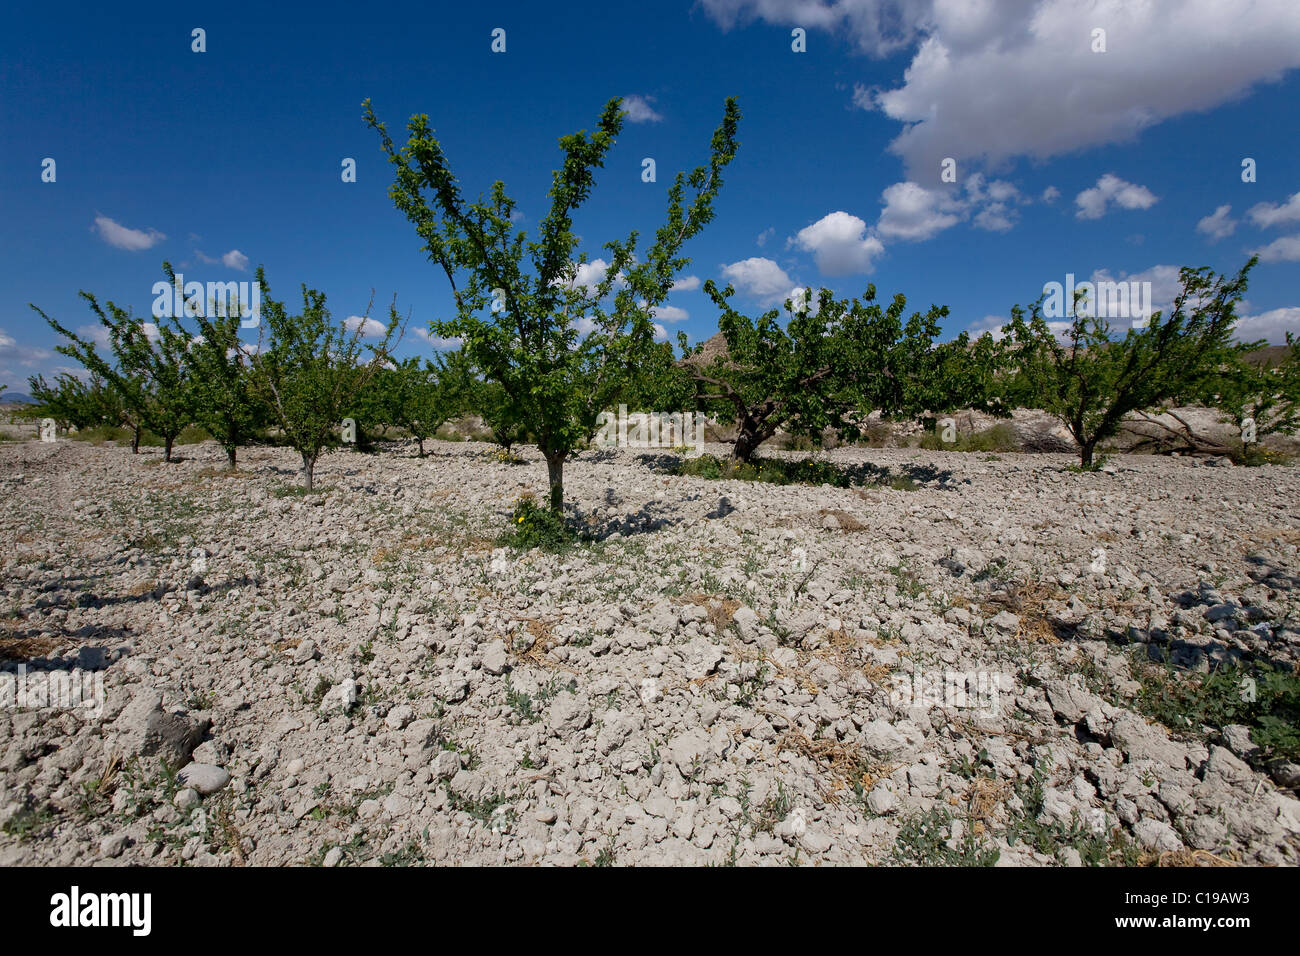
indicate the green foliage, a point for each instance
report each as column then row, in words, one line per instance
column 923, row 841
column 1000, row 437
column 519, row 305
column 151, row 373
column 1267, row 394
column 533, row 527
column 1186, row 702
column 75, row 403
column 830, row 366
column 225, row 398
column 1091, row 381
column 310, row 370
column 422, row 396
column 777, row 471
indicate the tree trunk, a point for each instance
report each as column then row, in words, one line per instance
column 1085, row 453
column 167, row 447
column 747, row 441
column 135, row 439
column 230, row 456
column 421, row 441
column 555, row 472
column 308, row 471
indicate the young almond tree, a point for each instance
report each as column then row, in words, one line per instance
column 830, row 366
column 1090, row 380
column 152, row 374
column 558, row 347
column 75, row 403
column 1257, row 395
column 225, row 399
column 310, row 370
column 424, row 396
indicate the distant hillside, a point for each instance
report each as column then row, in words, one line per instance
column 16, row 398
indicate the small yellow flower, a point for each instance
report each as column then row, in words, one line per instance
column 521, row 519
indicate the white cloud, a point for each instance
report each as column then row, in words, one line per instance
column 94, row 333
column 686, row 284
column 1218, row 225
column 877, row 26
column 1285, row 249
column 840, row 245
column 759, row 278
column 639, row 109
column 122, row 237
column 1051, row 194
column 26, row 356
column 661, row 333
column 370, row 328
column 913, row 212
column 1164, row 279
column 234, row 259
column 765, row 235
column 670, row 313
column 1110, row 188
column 1266, row 214
column 1272, row 325
column 439, row 342
column 998, row 79
column 592, row 274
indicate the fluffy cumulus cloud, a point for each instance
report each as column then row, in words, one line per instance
column 640, row 110
column 1267, row 214
column 998, row 79
column 840, row 245
column 914, row 213
column 123, row 237
column 234, row 259
column 1218, row 225
column 1285, row 249
column 439, row 342
column 13, row 353
column 759, row 278
column 1094, row 202
column 670, row 313
column 370, row 328
column 686, row 284
column 1272, row 325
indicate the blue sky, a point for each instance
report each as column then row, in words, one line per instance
column 1111, row 164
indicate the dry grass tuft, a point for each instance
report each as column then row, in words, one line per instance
column 720, row 610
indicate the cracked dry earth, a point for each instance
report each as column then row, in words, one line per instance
column 730, row 672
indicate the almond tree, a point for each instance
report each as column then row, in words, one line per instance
column 423, row 395
column 75, row 403
column 152, row 373
column 225, row 399
column 310, row 369
column 1089, row 380
column 518, row 307
column 830, row 366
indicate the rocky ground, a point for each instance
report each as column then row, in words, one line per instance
column 944, row 665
